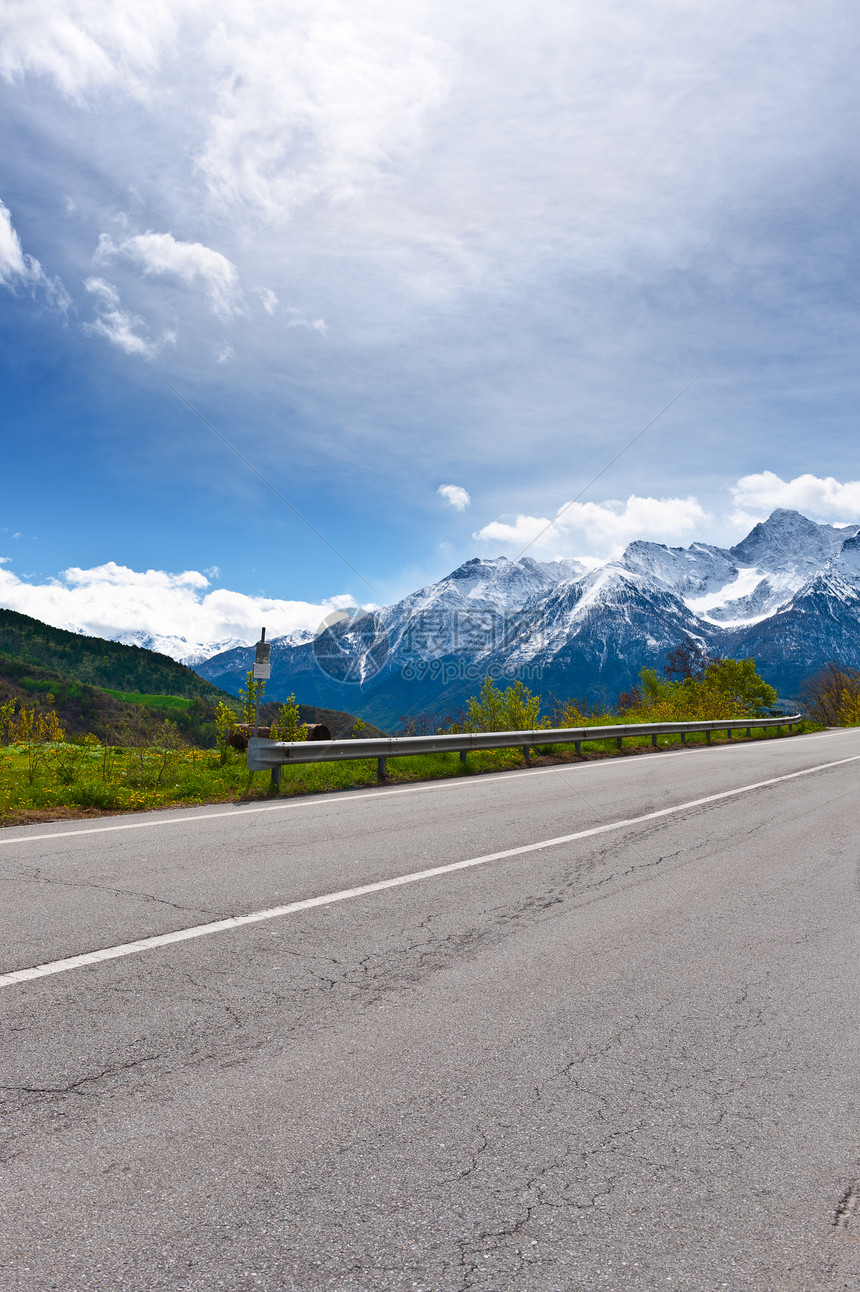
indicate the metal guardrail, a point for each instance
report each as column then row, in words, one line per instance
column 272, row 755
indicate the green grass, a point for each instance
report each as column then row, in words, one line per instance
column 69, row 780
column 150, row 701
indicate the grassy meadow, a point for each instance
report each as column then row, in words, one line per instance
column 160, row 754
column 55, row 779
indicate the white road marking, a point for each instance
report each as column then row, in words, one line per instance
column 311, row 800
column 317, row 800
column 347, row 894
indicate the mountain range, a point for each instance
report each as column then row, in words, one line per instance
column 788, row 595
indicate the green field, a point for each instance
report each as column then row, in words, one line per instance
column 66, row 780
column 150, row 701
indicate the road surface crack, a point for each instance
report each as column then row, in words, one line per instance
column 847, row 1207
column 79, row 1086
column 38, row 878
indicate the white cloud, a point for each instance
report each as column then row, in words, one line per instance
column 269, row 299
column 458, row 497
column 161, row 253
column 320, row 105
column 755, row 496
column 315, row 325
column 224, row 354
column 105, row 292
column 81, row 45
column 119, row 326
column 12, row 262
column 111, row 600
column 300, row 100
column 16, row 268
column 595, row 529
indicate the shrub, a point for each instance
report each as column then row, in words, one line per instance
column 582, row 713
column 288, row 724
column 727, row 688
column 34, row 732
column 514, row 709
column 251, row 695
column 224, row 720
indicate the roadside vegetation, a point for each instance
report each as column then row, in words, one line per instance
column 168, row 751
column 831, row 696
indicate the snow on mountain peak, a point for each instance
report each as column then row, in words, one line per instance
column 183, row 651
column 788, row 542
column 688, row 571
column 788, row 594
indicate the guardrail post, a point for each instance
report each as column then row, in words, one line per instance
column 618, row 741
column 749, row 733
column 708, row 736
column 526, row 755
column 728, row 733
column 653, row 739
column 276, row 778
column 463, row 753
column 779, row 730
column 577, row 745
column 380, row 769
column 683, row 737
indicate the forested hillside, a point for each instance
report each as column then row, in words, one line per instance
column 97, row 662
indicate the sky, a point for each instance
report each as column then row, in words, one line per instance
column 303, row 304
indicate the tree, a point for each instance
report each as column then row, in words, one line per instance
column 34, row 732
column 688, row 660
column 7, row 719
column 832, row 695
column 739, row 681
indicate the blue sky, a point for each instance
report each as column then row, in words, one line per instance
column 391, row 248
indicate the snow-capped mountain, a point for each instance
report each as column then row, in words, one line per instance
column 745, row 583
column 193, row 654
column 821, row 622
column 595, row 623
column 788, row 595
column 467, row 612
column 181, row 649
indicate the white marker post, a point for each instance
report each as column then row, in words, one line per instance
column 261, row 673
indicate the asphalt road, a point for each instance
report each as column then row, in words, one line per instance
column 626, row 1060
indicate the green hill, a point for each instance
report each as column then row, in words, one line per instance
column 97, row 662
column 107, row 714
column 107, row 688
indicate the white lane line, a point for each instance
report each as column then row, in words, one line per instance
column 313, row 800
column 323, row 800
column 346, row 894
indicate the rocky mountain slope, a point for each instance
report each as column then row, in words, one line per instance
column 788, row 594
